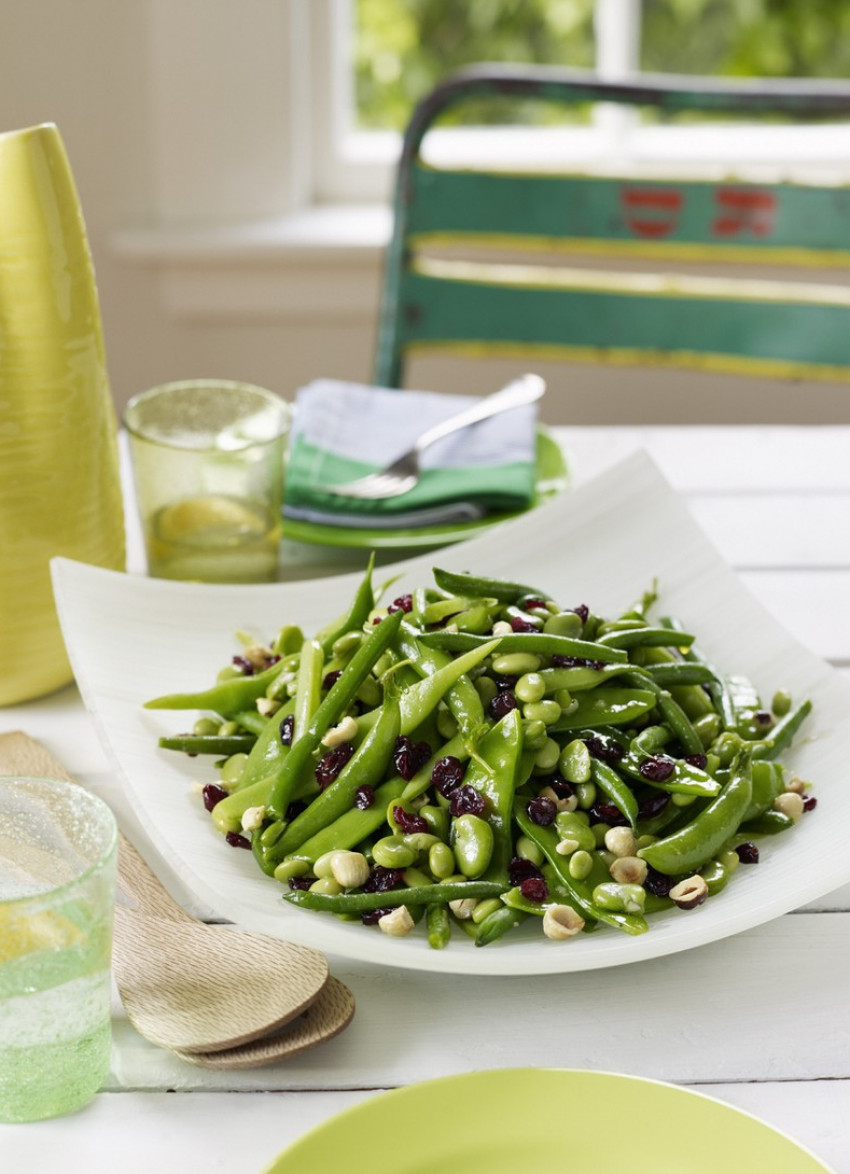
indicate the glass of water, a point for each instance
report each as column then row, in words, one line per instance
column 208, row 465
column 58, row 847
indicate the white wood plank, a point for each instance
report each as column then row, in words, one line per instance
column 780, row 991
column 812, row 459
column 777, row 530
column 136, row 1133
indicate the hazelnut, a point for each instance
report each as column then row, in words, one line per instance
column 689, row 893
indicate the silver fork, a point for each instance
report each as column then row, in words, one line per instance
column 403, row 473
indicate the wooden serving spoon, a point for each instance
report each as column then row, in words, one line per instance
column 191, row 987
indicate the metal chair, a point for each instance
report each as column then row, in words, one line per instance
column 730, row 322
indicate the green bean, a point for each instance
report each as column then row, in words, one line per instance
column 192, row 744
column 439, row 926
column 540, row 643
column 353, row 902
column 460, row 583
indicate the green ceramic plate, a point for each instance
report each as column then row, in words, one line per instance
column 550, row 479
column 514, row 1120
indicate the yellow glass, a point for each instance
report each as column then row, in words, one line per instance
column 59, row 481
column 208, row 465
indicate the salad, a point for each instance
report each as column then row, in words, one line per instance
column 475, row 754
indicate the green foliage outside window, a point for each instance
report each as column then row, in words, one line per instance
column 402, row 48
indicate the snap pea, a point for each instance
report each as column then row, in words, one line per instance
column 606, row 705
column 365, row 768
column 617, row 790
column 702, row 838
column 226, row 697
column 354, row 826
column 497, row 924
column 337, row 700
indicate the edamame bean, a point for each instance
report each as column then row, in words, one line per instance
column 580, row 865
column 473, row 845
column 574, row 763
column 617, row 898
column 231, row 771
column 586, row 795
column 441, row 860
column 529, row 688
column 781, row 703
column 526, row 849
column 546, row 758
column 534, row 735
column 516, row 664
column 564, row 623
column 547, row 712
column 392, row 852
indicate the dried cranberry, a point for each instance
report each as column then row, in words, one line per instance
column 213, row 794
column 501, row 704
column 287, row 728
column 410, row 756
column 542, row 810
column 560, row 786
column 748, row 853
column 559, row 661
column 364, row 797
column 331, row 679
column 810, row 803
column 520, row 870
column 408, row 821
column 657, row 883
column 607, row 813
column 504, row 682
column 300, row 882
column 698, row 760
column 244, row 665
column 381, row 880
column 403, row 603
column 653, row 804
column 466, row 800
column 518, row 624
column 763, row 718
column 272, row 659
column 528, row 604
column 534, row 888
column 658, row 768
column 373, row 916
column 582, row 611
column 235, row 840
column 447, row 774
column 295, row 808
column 329, row 767
column 604, row 749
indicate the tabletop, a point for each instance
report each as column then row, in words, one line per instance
column 759, row 1020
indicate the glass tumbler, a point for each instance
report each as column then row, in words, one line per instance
column 58, row 847
column 208, row 465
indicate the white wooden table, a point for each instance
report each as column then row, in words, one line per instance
column 761, row 1021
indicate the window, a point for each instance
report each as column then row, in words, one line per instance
column 386, row 54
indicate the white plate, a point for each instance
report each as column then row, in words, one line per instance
column 131, row 638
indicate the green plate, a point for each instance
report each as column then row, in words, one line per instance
column 514, row 1120
column 550, row 479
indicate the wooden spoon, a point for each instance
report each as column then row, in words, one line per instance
column 185, row 985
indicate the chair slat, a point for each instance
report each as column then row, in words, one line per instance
column 774, row 220
column 772, row 338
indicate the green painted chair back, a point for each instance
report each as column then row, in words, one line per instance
column 513, row 308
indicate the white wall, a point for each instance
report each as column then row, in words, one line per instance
column 124, row 80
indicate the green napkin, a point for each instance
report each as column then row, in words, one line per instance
column 344, row 430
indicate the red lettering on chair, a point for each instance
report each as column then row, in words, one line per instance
column 742, row 210
column 651, row 212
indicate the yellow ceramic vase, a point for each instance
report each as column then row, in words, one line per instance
column 60, row 490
